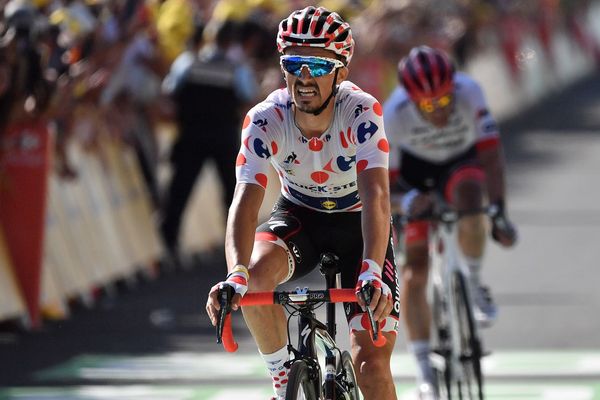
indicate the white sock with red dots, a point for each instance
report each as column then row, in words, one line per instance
column 278, row 371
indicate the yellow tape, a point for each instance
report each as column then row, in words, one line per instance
column 240, row 268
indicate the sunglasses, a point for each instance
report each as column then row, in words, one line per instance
column 317, row 66
column 430, row 105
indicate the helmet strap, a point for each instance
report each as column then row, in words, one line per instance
column 334, row 90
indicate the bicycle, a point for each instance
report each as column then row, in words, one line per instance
column 457, row 348
column 305, row 378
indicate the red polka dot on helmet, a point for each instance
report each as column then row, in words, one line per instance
column 316, row 27
column 426, row 73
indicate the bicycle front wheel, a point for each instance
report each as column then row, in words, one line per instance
column 300, row 385
column 471, row 386
column 441, row 357
column 346, row 378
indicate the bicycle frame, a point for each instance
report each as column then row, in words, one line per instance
column 447, row 266
column 313, row 335
column 446, row 261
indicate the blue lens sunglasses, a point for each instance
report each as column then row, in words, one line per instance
column 317, row 66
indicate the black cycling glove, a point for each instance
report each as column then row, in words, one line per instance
column 501, row 225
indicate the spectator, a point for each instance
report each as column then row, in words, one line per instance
column 175, row 25
column 135, row 85
column 209, row 92
column 25, row 94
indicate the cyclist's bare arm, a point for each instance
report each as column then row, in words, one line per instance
column 242, row 221
column 492, row 161
column 374, row 191
column 239, row 236
column 373, row 188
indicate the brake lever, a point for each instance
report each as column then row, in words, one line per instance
column 366, row 292
column 225, row 295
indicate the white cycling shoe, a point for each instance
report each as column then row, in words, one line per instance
column 426, row 391
column 485, row 310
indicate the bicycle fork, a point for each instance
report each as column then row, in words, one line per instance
column 314, row 333
column 447, row 358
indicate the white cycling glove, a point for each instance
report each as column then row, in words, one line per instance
column 371, row 272
column 238, row 279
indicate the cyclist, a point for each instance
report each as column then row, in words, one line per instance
column 325, row 138
column 442, row 138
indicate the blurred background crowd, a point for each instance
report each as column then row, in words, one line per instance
column 77, row 61
column 89, row 68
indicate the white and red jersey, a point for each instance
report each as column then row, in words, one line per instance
column 470, row 124
column 319, row 173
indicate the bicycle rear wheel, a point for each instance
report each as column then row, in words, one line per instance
column 300, row 385
column 471, row 386
column 441, row 355
column 346, row 378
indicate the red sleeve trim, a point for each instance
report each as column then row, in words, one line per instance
column 489, row 143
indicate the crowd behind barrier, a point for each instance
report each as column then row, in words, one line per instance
column 91, row 72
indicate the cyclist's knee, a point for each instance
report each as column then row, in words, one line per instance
column 372, row 367
column 416, row 233
column 415, row 279
column 468, row 194
column 473, row 225
column 372, row 364
column 268, row 267
column 415, row 271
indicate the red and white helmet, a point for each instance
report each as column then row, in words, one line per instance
column 316, row 27
column 426, row 73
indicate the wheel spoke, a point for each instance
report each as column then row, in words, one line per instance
column 470, row 351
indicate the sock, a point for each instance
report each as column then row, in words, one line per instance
column 474, row 264
column 277, row 371
column 421, row 350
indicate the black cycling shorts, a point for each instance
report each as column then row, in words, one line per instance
column 305, row 234
column 416, row 173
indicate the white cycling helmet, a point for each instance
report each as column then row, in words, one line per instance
column 316, row 27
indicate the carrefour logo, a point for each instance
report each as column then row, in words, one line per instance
column 261, row 149
column 345, row 163
column 366, row 130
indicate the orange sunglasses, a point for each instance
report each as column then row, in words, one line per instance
column 430, row 105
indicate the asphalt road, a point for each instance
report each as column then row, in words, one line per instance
column 547, row 286
column 154, row 341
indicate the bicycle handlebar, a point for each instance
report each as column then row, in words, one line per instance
column 225, row 332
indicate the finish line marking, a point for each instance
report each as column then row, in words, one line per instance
column 207, row 367
column 505, row 391
column 527, row 375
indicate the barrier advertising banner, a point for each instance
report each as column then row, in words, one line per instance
column 24, row 164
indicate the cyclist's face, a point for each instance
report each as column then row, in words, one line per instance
column 437, row 110
column 308, row 92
